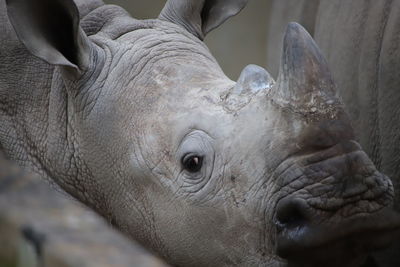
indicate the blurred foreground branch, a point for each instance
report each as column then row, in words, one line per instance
column 40, row 227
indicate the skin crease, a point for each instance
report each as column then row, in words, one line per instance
column 151, row 93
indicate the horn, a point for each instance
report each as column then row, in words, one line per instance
column 253, row 79
column 304, row 80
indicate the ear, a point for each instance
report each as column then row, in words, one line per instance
column 50, row 30
column 201, row 16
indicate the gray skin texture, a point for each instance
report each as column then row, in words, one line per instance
column 360, row 40
column 111, row 110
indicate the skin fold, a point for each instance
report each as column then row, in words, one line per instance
column 137, row 120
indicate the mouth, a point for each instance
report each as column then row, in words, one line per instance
column 334, row 209
column 345, row 244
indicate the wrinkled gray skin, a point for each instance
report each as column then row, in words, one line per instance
column 121, row 105
column 361, row 40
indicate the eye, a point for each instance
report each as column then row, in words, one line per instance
column 192, row 163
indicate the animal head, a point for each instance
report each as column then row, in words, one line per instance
column 204, row 170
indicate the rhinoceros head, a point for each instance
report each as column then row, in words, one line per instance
column 203, row 170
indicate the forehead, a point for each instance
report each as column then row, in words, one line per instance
column 170, row 78
column 156, row 38
column 162, row 57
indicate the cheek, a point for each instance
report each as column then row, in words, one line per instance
column 249, row 185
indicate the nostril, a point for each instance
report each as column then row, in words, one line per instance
column 291, row 213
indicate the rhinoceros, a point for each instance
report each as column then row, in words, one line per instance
column 361, row 42
column 136, row 119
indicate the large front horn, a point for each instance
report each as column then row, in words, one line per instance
column 304, row 83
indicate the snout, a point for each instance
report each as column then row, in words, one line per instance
column 334, row 209
column 333, row 206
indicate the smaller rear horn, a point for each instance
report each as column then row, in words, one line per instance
column 253, row 79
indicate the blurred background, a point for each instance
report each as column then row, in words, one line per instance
column 237, row 43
